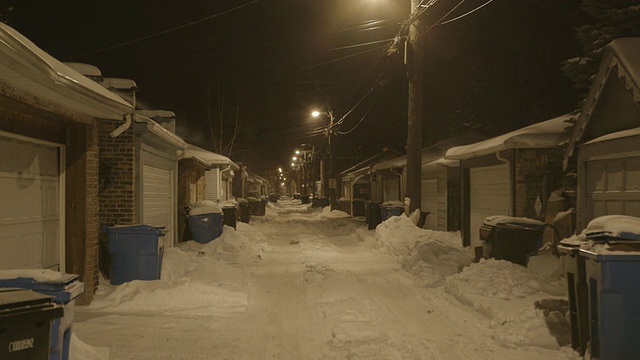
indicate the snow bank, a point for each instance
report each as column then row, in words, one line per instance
column 196, row 279
column 430, row 256
column 327, row 213
column 78, row 350
column 506, row 294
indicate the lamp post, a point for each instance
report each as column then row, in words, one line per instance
column 329, row 182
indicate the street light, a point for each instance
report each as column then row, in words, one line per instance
column 329, row 181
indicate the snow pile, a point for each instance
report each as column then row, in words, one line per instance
column 506, row 294
column 196, row 280
column 206, row 207
column 430, row 256
column 78, row 350
column 39, row 275
column 327, row 213
column 231, row 247
column 615, row 226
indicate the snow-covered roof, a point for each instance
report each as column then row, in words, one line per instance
column 624, row 55
column 616, row 135
column 442, row 162
column 161, row 132
column 118, row 83
column 206, row 157
column 157, row 113
column 26, row 67
column 547, row 134
column 432, row 153
column 84, row 69
column 253, row 178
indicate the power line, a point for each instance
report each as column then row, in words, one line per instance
column 166, row 31
column 467, row 13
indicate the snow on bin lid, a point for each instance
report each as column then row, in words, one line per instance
column 614, row 226
column 206, row 207
column 393, row 203
column 134, row 229
column 510, row 220
column 38, row 275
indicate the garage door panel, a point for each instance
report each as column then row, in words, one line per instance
column 613, row 187
column 157, row 199
column 30, row 206
column 429, row 202
column 489, row 195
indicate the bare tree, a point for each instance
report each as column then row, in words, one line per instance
column 224, row 124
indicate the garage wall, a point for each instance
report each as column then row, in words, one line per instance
column 117, row 176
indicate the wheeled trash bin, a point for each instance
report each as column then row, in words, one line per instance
column 136, row 252
column 511, row 238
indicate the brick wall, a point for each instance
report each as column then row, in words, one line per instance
column 190, row 189
column 538, row 172
column 117, row 197
column 92, row 225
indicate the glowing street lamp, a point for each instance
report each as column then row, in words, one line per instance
column 329, row 190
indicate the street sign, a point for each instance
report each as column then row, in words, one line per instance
column 333, row 184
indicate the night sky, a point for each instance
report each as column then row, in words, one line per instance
column 268, row 63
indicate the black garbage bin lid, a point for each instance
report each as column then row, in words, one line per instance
column 514, row 222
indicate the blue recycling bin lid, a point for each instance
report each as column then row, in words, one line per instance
column 135, row 229
column 619, row 227
column 63, row 288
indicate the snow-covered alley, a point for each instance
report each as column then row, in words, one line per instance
column 303, row 283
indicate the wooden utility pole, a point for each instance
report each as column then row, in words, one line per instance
column 415, row 113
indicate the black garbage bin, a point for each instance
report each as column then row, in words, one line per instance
column 358, row 207
column 257, row 206
column 244, row 210
column 25, row 324
column 64, row 288
column 375, row 217
column 575, row 276
column 229, row 213
column 304, row 199
column 273, row 198
column 510, row 238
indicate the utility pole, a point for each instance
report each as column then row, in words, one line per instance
column 331, row 181
column 415, row 111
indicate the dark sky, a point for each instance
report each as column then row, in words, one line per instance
column 273, row 61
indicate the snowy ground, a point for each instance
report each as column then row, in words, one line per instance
column 304, row 283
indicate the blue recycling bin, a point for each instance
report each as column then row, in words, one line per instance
column 388, row 211
column 206, row 227
column 136, row 252
column 614, row 295
column 64, row 291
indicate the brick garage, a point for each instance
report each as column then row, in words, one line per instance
column 52, row 112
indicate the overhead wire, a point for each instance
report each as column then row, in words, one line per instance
column 167, row 30
column 467, row 13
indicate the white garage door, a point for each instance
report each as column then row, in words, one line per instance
column 29, row 205
column 613, row 187
column 157, row 200
column 429, row 202
column 212, row 185
column 489, row 195
column 391, row 189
